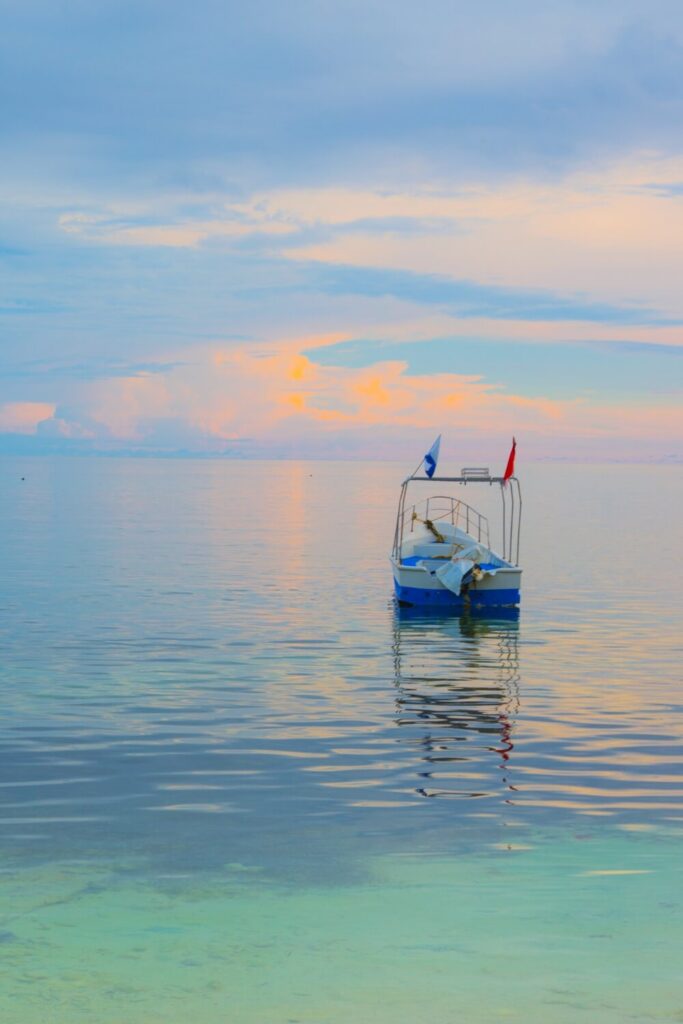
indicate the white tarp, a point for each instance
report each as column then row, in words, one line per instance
column 452, row 573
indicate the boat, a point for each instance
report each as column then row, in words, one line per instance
column 442, row 555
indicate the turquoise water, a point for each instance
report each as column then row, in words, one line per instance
column 237, row 787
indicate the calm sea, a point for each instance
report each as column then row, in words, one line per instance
column 238, row 787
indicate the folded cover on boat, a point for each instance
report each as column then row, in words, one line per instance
column 453, row 573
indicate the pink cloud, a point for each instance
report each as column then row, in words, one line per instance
column 24, row 417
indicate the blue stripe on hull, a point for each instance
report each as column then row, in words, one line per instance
column 417, row 596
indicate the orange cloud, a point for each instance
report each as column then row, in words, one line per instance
column 273, row 393
column 301, row 368
column 373, row 391
column 297, row 402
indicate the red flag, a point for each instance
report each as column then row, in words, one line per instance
column 510, row 468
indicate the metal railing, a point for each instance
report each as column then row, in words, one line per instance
column 443, row 508
column 463, row 515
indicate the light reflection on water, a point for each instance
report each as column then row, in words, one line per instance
column 223, row 749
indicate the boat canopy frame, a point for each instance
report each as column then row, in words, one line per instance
column 511, row 498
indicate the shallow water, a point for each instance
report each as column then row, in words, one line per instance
column 237, row 786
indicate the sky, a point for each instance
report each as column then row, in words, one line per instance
column 338, row 228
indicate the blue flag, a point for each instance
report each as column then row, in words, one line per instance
column 432, row 457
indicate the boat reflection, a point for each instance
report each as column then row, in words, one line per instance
column 457, row 695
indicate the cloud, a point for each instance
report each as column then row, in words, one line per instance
column 468, row 298
column 304, row 90
column 276, row 398
column 24, row 417
column 184, row 233
column 605, row 235
column 475, row 197
column 602, row 245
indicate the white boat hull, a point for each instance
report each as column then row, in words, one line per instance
column 416, row 585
